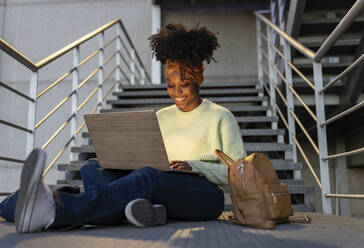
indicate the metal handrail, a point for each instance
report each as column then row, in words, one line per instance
column 77, row 132
column 307, row 161
column 344, row 154
column 88, row 58
column 344, row 24
column 16, row 92
column 93, row 92
column 346, row 196
column 136, row 54
column 60, row 79
column 301, row 75
column 54, row 110
column 346, row 112
column 282, row 116
column 303, row 49
column 57, row 132
column 36, row 66
column 287, row 42
column 305, row 131
column 12, row 160
column 275, row 85
column 17, row 55
column 74, row 44
column 88, row 78
column 15, row 126
column 110, row 41
column 347, row 70
column 303, row 103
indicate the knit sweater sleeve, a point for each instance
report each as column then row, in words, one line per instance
column 231, row 144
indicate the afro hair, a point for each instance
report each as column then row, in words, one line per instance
column 177, row 43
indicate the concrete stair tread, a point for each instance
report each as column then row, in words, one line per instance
column 292, row 188
column 266, row 147
column 262, row 132
column 257, row 119
column 169, row 101
column 205, row 85
column 249, row 147
column 296, row 207
column 244, row 132
column 234, row 109
column 279, row 164
column 203, row 92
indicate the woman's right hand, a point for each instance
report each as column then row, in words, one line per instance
column 179, row 165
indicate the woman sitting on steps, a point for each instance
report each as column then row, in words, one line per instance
column 192, row 129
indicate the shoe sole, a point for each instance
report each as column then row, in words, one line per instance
column 29, row 182
column 147, row 214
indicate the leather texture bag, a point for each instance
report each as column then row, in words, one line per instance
column 259, row 199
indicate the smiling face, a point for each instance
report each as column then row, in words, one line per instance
column 185, row 94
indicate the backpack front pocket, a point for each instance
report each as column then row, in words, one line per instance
column 278, row 201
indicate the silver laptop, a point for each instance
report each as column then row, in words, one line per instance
column 128, row 140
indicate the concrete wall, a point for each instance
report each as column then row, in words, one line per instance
column 235, row 29
column 38, row 28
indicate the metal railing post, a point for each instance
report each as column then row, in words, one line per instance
column 101, row 71
column 260, row 57
column 290, row 106
column 272, row 76
column 118, row 58
column 74, row 103
column 132, row 66
column 322, row 138
column 32, row 112
column 142, row 78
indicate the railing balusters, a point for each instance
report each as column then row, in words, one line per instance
column 272, row 76
column 101, row 71
column 74, row 99
column 132, row 66
column 322, row 137
column 290, row 105
column 32, row 111
column 118, row 51
column 260, row 59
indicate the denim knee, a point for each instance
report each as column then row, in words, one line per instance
column 90, row 165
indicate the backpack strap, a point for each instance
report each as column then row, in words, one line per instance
column 299, row 219
column 224, row 157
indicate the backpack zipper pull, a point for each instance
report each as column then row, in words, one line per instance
column 241, row 167
column 274, row 198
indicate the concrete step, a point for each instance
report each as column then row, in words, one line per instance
column 244, row 132
column 293, row 188
column 262, row 132
column 249, row 147
column 205, row 85
column 203, row 93
column 266, row 147
column 279, row 164
column 257, row 119
column 234, row 109
column 160, row 101
column 325, row 26
column 79, row 182
column 303, row 207
column 296, row 207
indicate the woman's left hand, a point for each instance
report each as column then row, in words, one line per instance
column 179, row 165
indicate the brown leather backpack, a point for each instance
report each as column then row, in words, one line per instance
column 259, row 199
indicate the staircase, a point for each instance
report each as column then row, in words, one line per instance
column 315, row 21
column 244, row 100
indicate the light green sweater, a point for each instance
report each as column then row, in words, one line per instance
column 193, row 137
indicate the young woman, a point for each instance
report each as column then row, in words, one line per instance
column 192, row 129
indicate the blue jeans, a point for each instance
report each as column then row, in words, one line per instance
column 186, row 197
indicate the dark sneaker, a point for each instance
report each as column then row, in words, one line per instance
column 142, row 213
column 35, row 206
